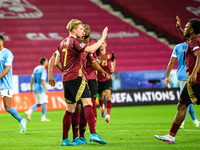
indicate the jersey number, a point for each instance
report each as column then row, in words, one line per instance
column 104, row 62
column 65, row 59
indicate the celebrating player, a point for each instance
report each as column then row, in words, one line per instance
column 6, row 83
column 38, row 80
column 107, row 62
column 71, row 57
column 190, row 93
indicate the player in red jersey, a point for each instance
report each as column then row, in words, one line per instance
column 75, row 86
column 190, row 93
column 107, row 62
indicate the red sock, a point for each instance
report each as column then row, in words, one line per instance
column 108, row 106
column 174, row 129
column 100, row 102
column 89, row 115
column 67, row 119
column 94, row 108
column 75, row 124
column 83, row 124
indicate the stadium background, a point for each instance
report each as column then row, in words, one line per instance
column 142, row 34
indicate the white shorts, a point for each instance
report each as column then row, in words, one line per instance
column 41, row 98
column 7, row 93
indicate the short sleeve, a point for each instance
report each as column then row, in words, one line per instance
column 79, row 45
column 90, row 57
column 174, row 53
column 9, row 59
column 44, row 74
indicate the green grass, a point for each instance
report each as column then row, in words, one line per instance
column 130, row 128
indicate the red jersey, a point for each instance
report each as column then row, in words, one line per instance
column 91, row 72
column 106, row 64
column 193, row 46
column 71, row 57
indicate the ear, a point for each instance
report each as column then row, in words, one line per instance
column 191, row 30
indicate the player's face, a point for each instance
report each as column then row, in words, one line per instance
column 87, row 30
column 46, row 62
column 80, row 31
column 103, row 45
column 187, row 30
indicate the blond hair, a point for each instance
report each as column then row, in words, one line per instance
column 74, row 23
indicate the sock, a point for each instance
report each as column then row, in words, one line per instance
column 108, row 106
column 174, row 129
column 83, row 124
column 33, row 108
column 100, row 103
column 44, row 110
column 14, row 113
column 75, row 124
column 94, row 108
column 192, row 112
column 67, row 119
column 90, row 118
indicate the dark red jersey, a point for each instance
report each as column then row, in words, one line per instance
column 106, row 63
column 193, row 46
column 91, row 72
column 71, row 57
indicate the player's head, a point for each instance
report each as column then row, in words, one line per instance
column 43, row 61
column 87, row 30
column 103, row 45
column 75, row 28
column 192, row 28
column 1, row 40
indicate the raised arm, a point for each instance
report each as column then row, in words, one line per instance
column 180, row 30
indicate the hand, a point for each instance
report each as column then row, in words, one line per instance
column 52, row 81
column 112, row 70
column 104, row 34
column 167, row 82
column 178, row 22
column 192, row 78
column 46, row 92
column 31, row 90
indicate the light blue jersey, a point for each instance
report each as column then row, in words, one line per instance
column 6, row 58
column 39, row 73
column 179, row 53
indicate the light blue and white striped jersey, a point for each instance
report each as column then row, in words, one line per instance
column 6, row 58
column 179, row 53
column 39, row 73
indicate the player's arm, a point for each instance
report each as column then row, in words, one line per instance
column 192, row 78
column 180, row 30
column 94, row 47
column 5, row 71
column 45, row 86
column 96, row 66
column 112, row 70
column 31, row 90
column 169, row 68
column 51, row 79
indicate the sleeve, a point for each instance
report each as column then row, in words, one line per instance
column 55, row 53
column 79, row 45
column 174, row 53
column 44, row 74
column 9, row 59
column 113, row 56
column 98, row 52
column 196, row 47
column 90, row 57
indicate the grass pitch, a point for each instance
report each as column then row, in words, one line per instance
column 130, row 128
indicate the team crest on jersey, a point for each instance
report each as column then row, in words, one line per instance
column 108, row 56
column 14, row 9
column 82, row 45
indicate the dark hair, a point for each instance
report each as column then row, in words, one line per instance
column 1, row 38
column 195, row 24
column 42, row 60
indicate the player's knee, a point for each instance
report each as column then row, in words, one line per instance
column 7, row 107
column 181, row 107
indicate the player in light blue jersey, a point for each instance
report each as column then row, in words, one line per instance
column 179, row 54
column 6, row 83
column 38, row 86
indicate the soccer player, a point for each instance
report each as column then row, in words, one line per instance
column 107, row 62
column 190, row 93
column 6, row 83
column 71, row 51
column 38, row 86
column 179, row 54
